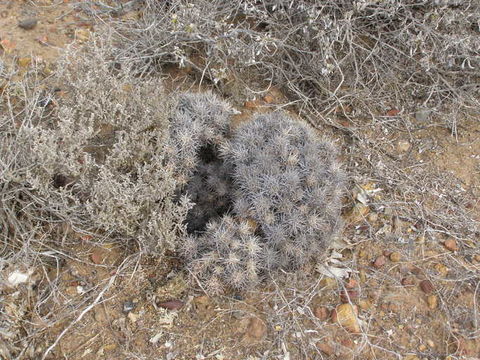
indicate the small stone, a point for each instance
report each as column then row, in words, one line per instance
column 403, row 146
column 327, row 283
column 395, row 256
column 351, row 284
column 450, row 244
column 128, row 306
column 321, row 312
column 28, row 24
column 408, row 281
column 379, row 262
column 477, row 258
column 422, row 115
column 430, row 343
column 364, row 304
column 362, row 275
column 269, row 99
column 372, row 218
column 420, row 240
column 250, row 104
column 326, row 348
column 24, row 62
column 256, row 330
column 96, row 256
column 427, row 286
column 133, row 317
column 349, row 296
column 422, row 347
column 442, row 269
column 82, row 35
column 172, row 304
column 110, row 347
column 387, row 253
column 432, row 301
column 346, row 316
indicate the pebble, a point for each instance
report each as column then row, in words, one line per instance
column 451, row 244
column 395, row 256
column 403, row 146
column 422, row 115
column 268, row 99
column 362, row 275
column 256, row 329
column 133, row 317
column 96, row 256
column 427, row 286
column 172, row 304
column 28, row 24
column 349, row 296
column 346, row 316
column 408, row 281
column 128, row 306
column 379, row 262
column 372, row 218
column 326, row 348
column 432, row 301
column 364, row 304
column 321, row 312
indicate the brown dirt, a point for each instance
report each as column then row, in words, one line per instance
column 394, row 313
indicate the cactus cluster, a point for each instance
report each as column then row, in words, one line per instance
column 289, row 182
column 267, row 197
column 227, row 255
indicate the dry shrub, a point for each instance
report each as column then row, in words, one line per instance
column 95, row 155
column 372, row 55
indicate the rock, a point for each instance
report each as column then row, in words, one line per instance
column 128, row 306
column 172, row 304
column 328, row 283
column 395, row 256
column 441, row 268
column 451, row 244
column 321, row 312
column 268, row 99
column 349, row 296
column 403, row 146
column 96, row 256
column 422, row 115
column 256, row 330
column 372, row 218
column 427, row 286
column 326, row 348
column 420, row 240
column 432, row 301
column 379, row 262
column 362, row 275
column 28, row 24
column 351, row 284
column 364, row 304
column 408, row 281
column 346, row 316
column 133, row 317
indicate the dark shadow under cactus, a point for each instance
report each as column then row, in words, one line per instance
column 210, row 188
